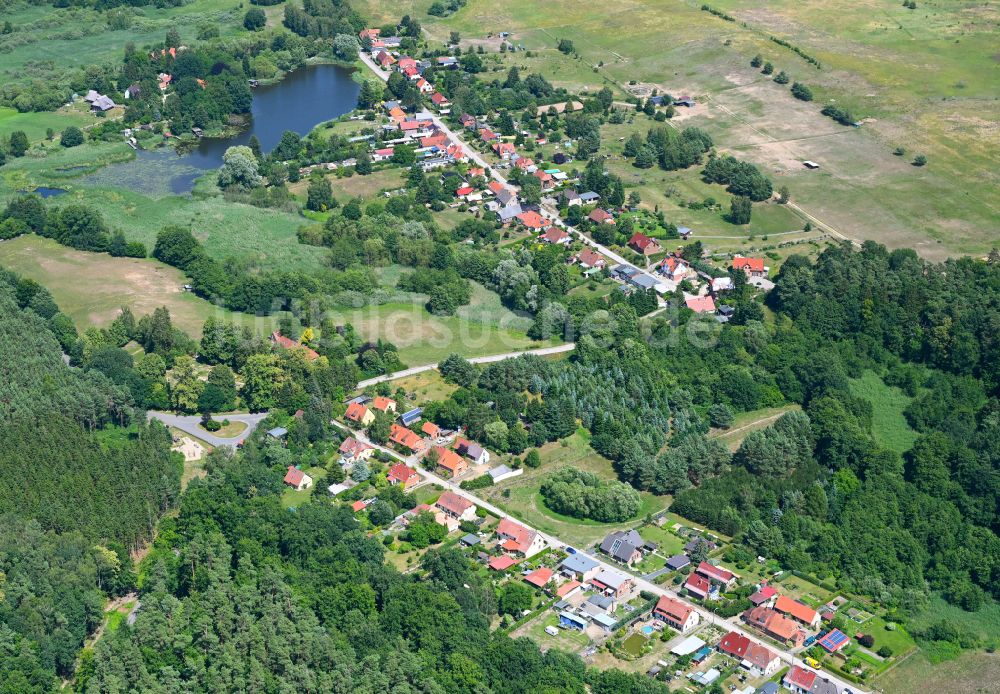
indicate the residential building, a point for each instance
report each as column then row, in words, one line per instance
column 568, row 588
column 797, row 611
column 556, row 236
column 539, row 577
column 599, row 216
column 501, row 563
column 283, row 342
column 677, row 614
column 297, row 480
column 700, row 304
column 450, row 462
column 678, row 562
column 721, row 284
column 625, row 547
column 674, row 268
column 764, row 595
column 408, row 418
column 612, row 583
column 473, row 451
column 532, row 220
column 759, row 660
column 403, row 475
column 698, row 585
column 717, row 574
column 580, row 567
column 570, row 197
column 774, row 625
column 352, row 450
column 432, row 430
column 799, row 680
column 644, row 245
column 401, row 436
column 588, row 259
column 356, row 412
column 383, row 404
column 455, row 506
column 517, row 539
column 753, row 267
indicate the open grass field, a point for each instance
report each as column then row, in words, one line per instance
column 925, row 80
column 970, row 673
column 291, row 498
column 111, row 283
column 985, row 623
column 427, row 386
column 745, row 422
column 889, row 425
column 35, row 125
column 525, row 500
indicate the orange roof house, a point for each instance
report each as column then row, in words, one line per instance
column 532, row 220
column 384, row 404
column 700, row 304
column 676, row 613
column 796, row 610
column 640, row 243
column 431, row 429
column 403, row 475
column 753, row 267
column 456, row 506
column 539, row 577
column 356, row 412
column 450, row 461
column 516, row 538
column 402, row 436
column 286, row 343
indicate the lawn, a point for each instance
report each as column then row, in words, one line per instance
column 804, row 591
column 291, row 498
column 899, row 640
column 92, row 287
column 525, row 500
column 426, row 386
column 971, row 672
column 570, row 640
column 35, row 125
column 227, row 431
column 668, row 543
column 888, row 423
column 745, row 422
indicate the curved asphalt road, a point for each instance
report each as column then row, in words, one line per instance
column 189, row 425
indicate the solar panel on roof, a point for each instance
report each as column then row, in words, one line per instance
column 833, row 641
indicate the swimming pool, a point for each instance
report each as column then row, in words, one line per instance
column 647, row 630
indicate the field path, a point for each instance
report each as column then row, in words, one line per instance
column 413, row 370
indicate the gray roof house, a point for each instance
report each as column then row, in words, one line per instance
column 505, row 214
column 589, row 196
column 678, row 561
column 578, row 565
column 506, row 197
column 625, row 547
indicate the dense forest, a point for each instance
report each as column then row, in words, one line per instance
column 83, row 480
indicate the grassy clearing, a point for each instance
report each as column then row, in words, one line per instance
column 35, row 125
column 91, row 287
column 569, row 640
column 227, row 431
column 745, row 422
column 669, row 544
column 924, row 76
column 427, row 386
column 985, row 623
column 291, row 498
column 971, row 672
column 524, row 499
column 888, row 423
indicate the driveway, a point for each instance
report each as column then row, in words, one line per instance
column 189, row 424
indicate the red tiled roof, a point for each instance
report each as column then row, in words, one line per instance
column 531, row 219
column 554, row 235
column 359, row 506
column 383, row 403
column 401, row 473
column 801, row 677
column 464, row 190
column 405, row 437
column 439, row 98
column 700, row 304
column 590, row 257
column 518, row 538
column 410, row 125
column 356, row 412
column 453, row 503
column 600, row 216
column 524, row 163
column 501, row 563
column 294, row 476
column 449, row 459
column 494, row 186
column 734, row 644
column 794, row 608
column 759, row 655
column 641, row 241
column 431, row 429
column 287, row 343
column 752, row 264
column 674, row 610
column 716, row 573
column 539, row 577
column 351, row 446
column 698, row 584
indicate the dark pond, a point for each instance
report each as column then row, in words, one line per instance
column 299, row 102
column 47, row 192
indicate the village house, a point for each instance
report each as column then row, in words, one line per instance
column 405, row 62
column 508, row 213
column 383, row 154
column 799, row 680
column 439, row 100
column 283, row 342
column 525, row 164
column 352, row 450
column 424, row 86
column 674, row 268
column 588, row 259
column 487, row 135
column 764, row 595
column 760, row 661
column 678, row 562
column 456, row 507
column 546, row 179
column 505, row 197
column 431, row 430
column 570, row 198
column 579, row 567
column 384, row 404
column 369, row 34
column 401, row 436
column 514, row 538
column 698, row 585
column 676, row 614
column 753, row 267
column 721, row 284
column 700, row 304
column 774, row 625
column 556, row 236
column 624, row 547
column 644, row 245
column 449, row 462
column 356, row 412
column 402, row 475
column 540, row 577
column 384, row 59
column 467, row 120
column 718, row 575
column 797, row 611
column 297, row 480
column 599, row 216
column 612, row 583
column 532, row 220
column 504, row 150
column 473, row 451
